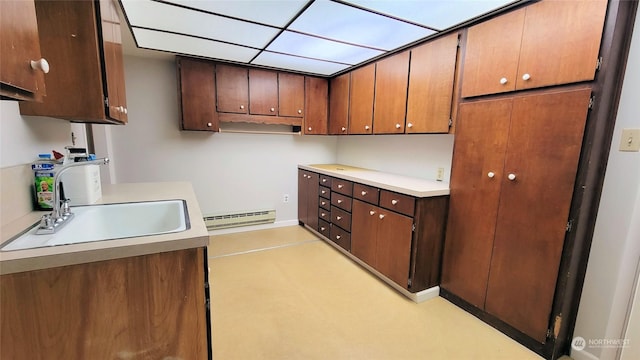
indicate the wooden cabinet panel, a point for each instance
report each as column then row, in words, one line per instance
column 308, row 196
column 431, row 77
column 20, row 44
column 108, row 309
column 197, row 94
column 361, row 100
column 364, row 232
column 325, row 192
column 341, row 201
column 545, row 140
column 394, row 246
column 560, row 42
column 232, row 89
column 401, row 203
column 113, row 64
column 325, row 180
column 324, row 215
column 341, row 218
column 341, row 237
column 291, row 95
column 392, row 76
column 339, row 104
column 263, row 92
column 324, row 228
column 366, row 193
column 316, row 106
column 325, row 203
column 342, row 186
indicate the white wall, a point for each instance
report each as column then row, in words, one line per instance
column 616, row 242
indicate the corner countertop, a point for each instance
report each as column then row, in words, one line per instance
column 48, row 257
column 401, row 184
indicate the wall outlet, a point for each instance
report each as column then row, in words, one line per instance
column 285, row 198
column 630, row 140
column 440, row 174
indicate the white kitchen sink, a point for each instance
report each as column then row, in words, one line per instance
column 108, row 222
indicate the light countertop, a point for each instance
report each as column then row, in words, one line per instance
column 47, row 257
column 397, row 183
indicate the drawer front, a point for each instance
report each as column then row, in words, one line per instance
column 341, row 237
column 325, row 192
column 324, row 228
column 341, row 201
column 366, row 193
column 341, row 218
column 324, row 214
column 324, row 203
column 403, row 204
column 342, row 186
column 325, row 180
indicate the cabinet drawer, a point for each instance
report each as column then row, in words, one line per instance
column 324, row 214
column 324, row 203
column 341, row 201
column 325, row 192
column 324, row 228
column 342, row 186
column 341, row 218
column 325, row 180
column 366, row 193
column 341, row 237
column 403, row 204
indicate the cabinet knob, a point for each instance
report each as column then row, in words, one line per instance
column 309, row 128
column 209, row 124
column 272, row 109
column 340, row 186
column 304, row 175
column 394, row 201
column 511, row 177
column 338, row 237
column 323, row 192
column 363, row 193
column 343, row 129
column 324, row 203
column 366, row 127
column 371, row 212
column 124, row 110
column 323, row 214
column 322, row 228
column 398, row 126
column 409, row 125
column 338, row 218
column 299, row 111
column 324, row 180
column 491, row 174
column 339, row 201
column 242, row 107
column 41, row 64
column 526, row 77
column 121, row 109
column 381, row 216
column 503, row 81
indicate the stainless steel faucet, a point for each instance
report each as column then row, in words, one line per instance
column 61, row 213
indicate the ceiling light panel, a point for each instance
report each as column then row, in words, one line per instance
column 294, row 63
column 317, row 48
column 437, row 14
column 149, row 14
column 158, row 40
column 271, row 12
column 345, row 23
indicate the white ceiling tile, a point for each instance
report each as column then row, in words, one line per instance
column 270, row 12
column 148, row 14
column 317, row 48
column 438, row 14
column 298, row 64
column 158, row 40
column 345, row 23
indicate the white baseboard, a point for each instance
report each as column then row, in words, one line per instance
column 582, row 355
column 274, row 225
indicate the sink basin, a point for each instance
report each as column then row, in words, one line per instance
column 110, row 221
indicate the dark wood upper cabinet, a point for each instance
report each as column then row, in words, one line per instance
column 291, row 95
column 82, row 42
column 339, row 104
column 392, row 76
column 361, row 100
column 19, row 46
column 431, row 83
column 263, row 92
column 232, row 89
column 316, row 115
column 546, row 43
column 197, row 94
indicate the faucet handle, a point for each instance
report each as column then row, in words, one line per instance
column 65, row 208
column 46, row 222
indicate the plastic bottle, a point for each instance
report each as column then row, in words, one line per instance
column 44, row 173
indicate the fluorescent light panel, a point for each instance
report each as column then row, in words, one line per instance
column 294, row 63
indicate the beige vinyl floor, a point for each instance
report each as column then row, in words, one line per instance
column 284, row 294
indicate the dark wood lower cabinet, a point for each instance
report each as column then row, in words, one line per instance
column 143, row 307
column 308, row 192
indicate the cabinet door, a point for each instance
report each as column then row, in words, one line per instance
column 393, row 251
column 197, row 95
column 339, row 104
column 481, row 141
column 361, row 100
column 113, row 63
column 431, row 76
column 291, row 95
column 232, row 89
column 308, row 198
column 542, row 153
column 392, row 76
column 263, row 92
column 492, row 54
column 316, row 114
column 303, row 190
column 20, row 44
column 560, row 42
column 364, row 223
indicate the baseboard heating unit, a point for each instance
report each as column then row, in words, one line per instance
column 215, row 222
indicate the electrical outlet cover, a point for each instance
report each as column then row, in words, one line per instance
column 630, row 140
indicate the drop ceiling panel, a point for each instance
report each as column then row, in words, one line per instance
column 298, row 64
column 181, row 44
column 345, row 23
